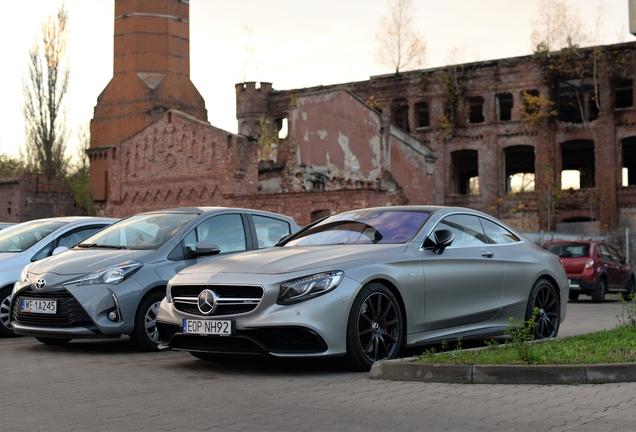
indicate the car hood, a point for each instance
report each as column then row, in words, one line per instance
column 84, row 261
column 279, row 260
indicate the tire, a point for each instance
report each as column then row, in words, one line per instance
column 52, row 341
column 574, row 295
column 374, row 328
column 145, row 336
column 598, row 295
column 545, row 297
column 629, row 295
column 6, row 328
column 204, row 356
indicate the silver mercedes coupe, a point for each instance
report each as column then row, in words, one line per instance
column 364, row 284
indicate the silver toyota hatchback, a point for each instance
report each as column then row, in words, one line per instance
column 111, row 284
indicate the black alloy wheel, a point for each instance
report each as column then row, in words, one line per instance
column 544, row 297
column 375, row 330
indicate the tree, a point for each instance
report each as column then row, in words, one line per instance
column 44, row 91
column 78, row 174
column 399, row 45
column 558, row 26
column 10, row 166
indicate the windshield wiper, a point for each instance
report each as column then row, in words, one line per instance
column 103, row 246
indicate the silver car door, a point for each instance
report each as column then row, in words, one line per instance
column 464, row 284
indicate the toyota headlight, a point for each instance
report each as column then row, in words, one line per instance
column 112, row 275
column 308, row 287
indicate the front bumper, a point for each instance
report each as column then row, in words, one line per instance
column 82, row 311
column 313, row 328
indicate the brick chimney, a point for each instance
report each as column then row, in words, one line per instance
column 151, row 75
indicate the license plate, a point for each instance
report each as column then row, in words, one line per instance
column 208, row 327
column 39, row 306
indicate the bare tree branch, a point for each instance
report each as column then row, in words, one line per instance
column 399, row 44
column 44, row 91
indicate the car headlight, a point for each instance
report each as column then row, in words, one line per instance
column 308, row 287
column 112, row 275
column 24, row 276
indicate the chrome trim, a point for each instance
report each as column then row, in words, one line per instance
column 119, row 315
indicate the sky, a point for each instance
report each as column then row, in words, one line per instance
column 295, row 44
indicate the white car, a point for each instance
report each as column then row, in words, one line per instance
column 31, row 241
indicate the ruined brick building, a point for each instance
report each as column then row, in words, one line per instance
column 539, row 141
column 31, row 196
column 152, row 147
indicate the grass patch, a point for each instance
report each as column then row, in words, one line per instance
column 617, row 345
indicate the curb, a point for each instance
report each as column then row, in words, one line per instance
column 410, row 370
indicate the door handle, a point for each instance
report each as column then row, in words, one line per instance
column 486, row 254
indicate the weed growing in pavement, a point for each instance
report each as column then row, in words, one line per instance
column 628, row 317
column 522, row 334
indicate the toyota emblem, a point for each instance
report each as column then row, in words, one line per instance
column 206, row 302
column 41, row 283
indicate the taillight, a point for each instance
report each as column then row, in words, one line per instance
column 589, row 263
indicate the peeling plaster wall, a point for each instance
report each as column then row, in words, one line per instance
column 334, row 130
column 345, row 141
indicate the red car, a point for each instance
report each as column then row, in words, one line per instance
column 594, row 268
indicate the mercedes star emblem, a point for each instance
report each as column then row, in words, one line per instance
column 41, row 283
column 206, row 302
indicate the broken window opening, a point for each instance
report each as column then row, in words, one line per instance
column 576, row 101
column 476, row 109
column 465, row 172
column 318, row 183
column 577, row 159
column 624, row 94
column 629, row 161
column 423, row 117
column 504, row 106
column 519, row 168
column 401, row 117
column 282, row 128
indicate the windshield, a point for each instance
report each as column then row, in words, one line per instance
column 143, row 231
column 363, row 227
column 20, row 237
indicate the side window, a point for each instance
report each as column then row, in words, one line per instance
column 615, row 255
column 497, row 234
column 226, row 231
column 604, row 252
column 68, row 239
column 46, row 251
column 466, row 228
column 72, row 238
column 269, row 230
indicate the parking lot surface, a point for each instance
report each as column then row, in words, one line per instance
column 106, row 385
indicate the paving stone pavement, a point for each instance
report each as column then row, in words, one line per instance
column 106, row 386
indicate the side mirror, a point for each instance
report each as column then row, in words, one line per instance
column 58, row 250
column 443, row 239
column 202, row 248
